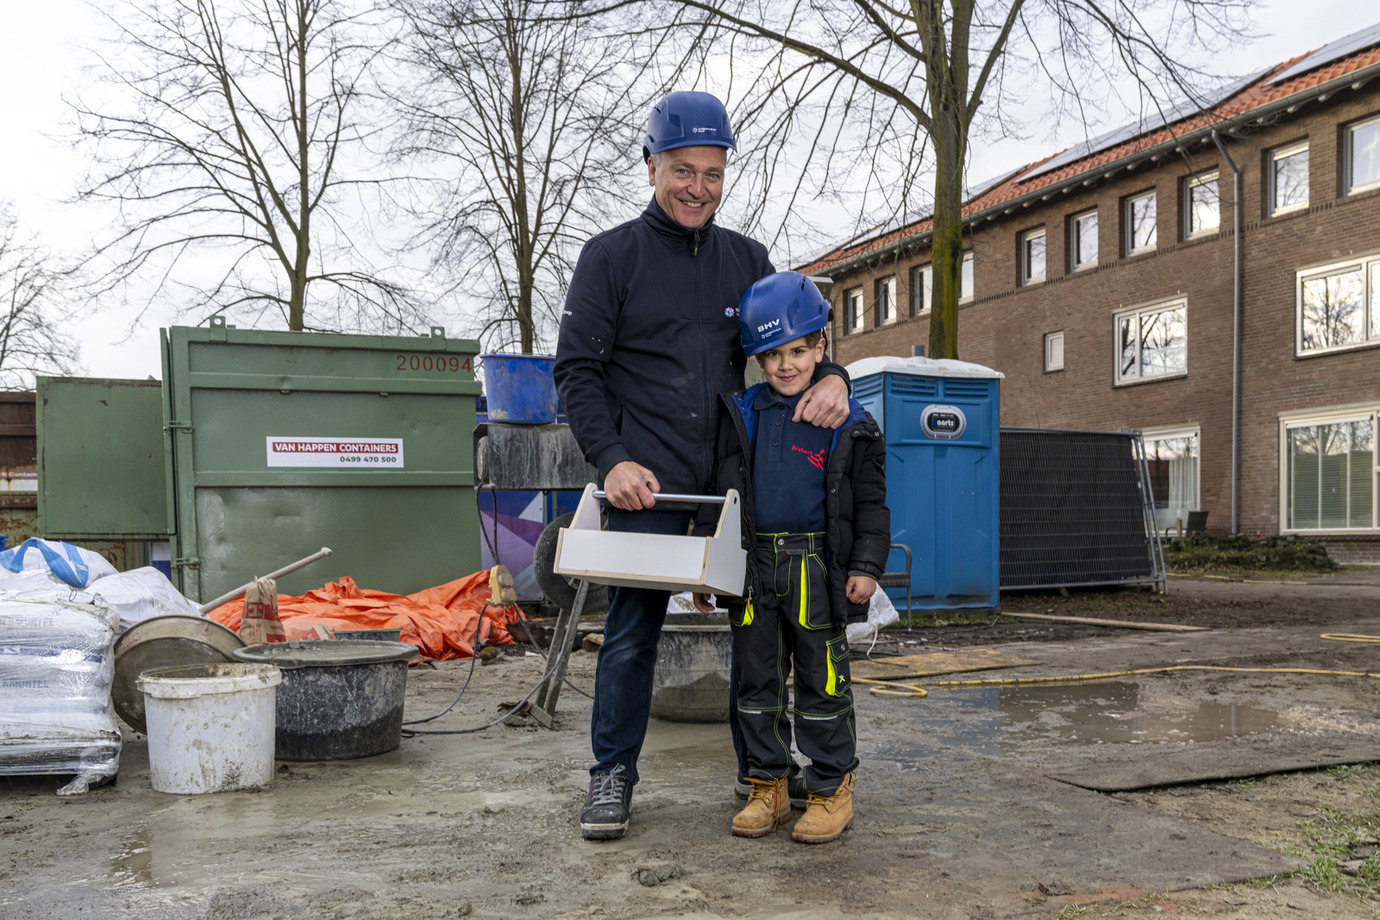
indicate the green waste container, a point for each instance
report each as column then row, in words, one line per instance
column 101, row 474
column 280, row 443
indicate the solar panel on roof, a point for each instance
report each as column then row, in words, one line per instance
column 1332, row 51
column 1127, row 132
column 982, row 188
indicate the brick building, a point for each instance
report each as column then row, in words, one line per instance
column 1107, row 284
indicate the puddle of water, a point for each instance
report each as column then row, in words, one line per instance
column 1112, row 713
column 1002, row 720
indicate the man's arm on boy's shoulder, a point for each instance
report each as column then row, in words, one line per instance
column 825, row 403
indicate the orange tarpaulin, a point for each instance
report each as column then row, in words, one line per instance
column 440, row 621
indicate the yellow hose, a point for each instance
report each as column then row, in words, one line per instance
column 1350, row 637
column 893, row 688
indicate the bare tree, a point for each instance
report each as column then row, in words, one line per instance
column 870, row 88
column 529, row 126
column 224, row 131
column 31, row 290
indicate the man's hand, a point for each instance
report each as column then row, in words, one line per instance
column 630, row 485
column 824, row 405
column 860, row 588
column 702, row 603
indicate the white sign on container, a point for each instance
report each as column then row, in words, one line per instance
column 357, row 453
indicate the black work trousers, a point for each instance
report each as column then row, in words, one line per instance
column 787, row 627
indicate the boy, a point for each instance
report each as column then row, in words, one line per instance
column 817, row 531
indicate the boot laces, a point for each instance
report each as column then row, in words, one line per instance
column 608, row 788
column 762, row 789
column 829, row 801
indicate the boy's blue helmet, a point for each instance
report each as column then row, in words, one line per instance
column 687, row 119
column 780, row 308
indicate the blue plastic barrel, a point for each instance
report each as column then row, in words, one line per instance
column 520, row 388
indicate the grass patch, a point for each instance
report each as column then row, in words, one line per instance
column 1323, row 875
column 1238, row 553
column 1343, row 850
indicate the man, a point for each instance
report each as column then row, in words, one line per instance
column 648, row 340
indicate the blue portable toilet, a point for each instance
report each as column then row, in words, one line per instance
column 940, row 421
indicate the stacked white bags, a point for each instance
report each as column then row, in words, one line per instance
column 60, row 608
column 56, row 667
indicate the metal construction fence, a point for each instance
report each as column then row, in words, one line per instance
column 1076, row 510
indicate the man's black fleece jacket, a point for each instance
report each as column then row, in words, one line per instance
column 648, row 341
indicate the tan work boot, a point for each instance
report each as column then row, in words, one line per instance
column 768, row 807
column 827, row 816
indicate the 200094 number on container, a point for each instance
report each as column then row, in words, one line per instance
column 439, row 364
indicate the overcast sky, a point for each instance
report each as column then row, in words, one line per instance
column 41, row 57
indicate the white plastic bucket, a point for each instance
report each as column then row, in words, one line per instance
column 210, row 726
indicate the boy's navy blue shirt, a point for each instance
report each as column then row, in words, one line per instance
column 789, row 460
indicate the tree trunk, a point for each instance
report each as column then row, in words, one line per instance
column 297, row 310
column 946, row 247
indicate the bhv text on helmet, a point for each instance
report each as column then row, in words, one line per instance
column 780, row 308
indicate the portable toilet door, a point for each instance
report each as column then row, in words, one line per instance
column 940, row 421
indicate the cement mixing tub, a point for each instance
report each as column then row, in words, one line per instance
column 210, row 726
column 693, row 664
column 339, row 699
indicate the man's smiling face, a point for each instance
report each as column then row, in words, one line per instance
column 689, row 183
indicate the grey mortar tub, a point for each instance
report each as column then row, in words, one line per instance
column 339, row 699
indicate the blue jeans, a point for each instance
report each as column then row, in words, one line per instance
column 623, row 676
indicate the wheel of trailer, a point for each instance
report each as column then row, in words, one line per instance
column 558, row 589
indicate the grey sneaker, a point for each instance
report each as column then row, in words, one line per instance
column 795, row 786
column 607, row 805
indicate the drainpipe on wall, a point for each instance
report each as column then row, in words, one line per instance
column 1236, row 333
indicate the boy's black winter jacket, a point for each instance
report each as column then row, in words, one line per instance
column 858, row 536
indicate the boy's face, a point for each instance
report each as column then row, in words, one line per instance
column 791, row 366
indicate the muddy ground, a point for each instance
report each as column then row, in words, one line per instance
column 985, row 800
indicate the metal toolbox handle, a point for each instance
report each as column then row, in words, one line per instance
column 677, row 497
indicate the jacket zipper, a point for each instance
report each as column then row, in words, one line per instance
column 708, row 409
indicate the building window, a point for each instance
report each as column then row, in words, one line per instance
column 922, row 285
column 1361, row 155
column 921, row 289
column 1172, row 459
column 1330, row 470
column 1152, row 342
column 1033, row 256
column 1140, row 223
column 852, row 310
column 1339, row 306
column 1054, row 351
column 885, row 301
column 1288, row 178
column 1202, row 205
column 1083, row 240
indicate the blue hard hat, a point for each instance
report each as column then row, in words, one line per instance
column 687, row 119
column 780, row 308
